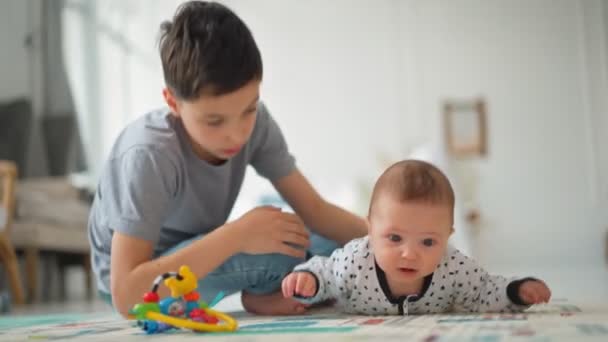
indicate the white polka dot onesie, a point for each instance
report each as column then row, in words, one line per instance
column 352, row 277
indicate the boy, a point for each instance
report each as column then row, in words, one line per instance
column 173, row 176
column 405, row 264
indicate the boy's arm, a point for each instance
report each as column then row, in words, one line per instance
column 325, row 218
column 259, row 231
column 133, row 271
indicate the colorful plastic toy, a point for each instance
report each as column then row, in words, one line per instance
column 182, row 309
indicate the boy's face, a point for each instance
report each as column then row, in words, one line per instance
column 408, row 239
column 218, row 126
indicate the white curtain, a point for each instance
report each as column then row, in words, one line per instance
column 114, row 72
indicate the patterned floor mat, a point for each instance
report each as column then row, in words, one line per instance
column 552, row 322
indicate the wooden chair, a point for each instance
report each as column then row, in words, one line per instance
column 8, row 176
column 51, row 218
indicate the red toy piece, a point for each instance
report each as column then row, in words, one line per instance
column 151, row 297
column 192, row 297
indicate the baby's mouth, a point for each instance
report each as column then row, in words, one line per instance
column 407, row 270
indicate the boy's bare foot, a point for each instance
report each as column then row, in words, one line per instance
column 272, row 304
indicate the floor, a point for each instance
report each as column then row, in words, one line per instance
column 558, row 321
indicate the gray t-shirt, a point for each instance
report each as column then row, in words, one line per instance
column 154, row 187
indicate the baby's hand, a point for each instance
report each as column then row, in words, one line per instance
column 534, row 292
column 301, row 284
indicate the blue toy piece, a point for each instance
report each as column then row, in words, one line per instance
column 153, row 327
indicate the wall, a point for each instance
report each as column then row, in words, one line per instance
column 541, row 68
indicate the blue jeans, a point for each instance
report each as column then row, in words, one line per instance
column 256, row 274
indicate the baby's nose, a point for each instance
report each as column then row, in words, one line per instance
column 408, row 253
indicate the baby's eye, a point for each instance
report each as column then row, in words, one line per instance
column 394, row 237
column 428, row 242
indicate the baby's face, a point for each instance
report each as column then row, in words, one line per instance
column 408, row 239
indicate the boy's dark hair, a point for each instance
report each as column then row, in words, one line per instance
column 414, row 181
column 207, row 49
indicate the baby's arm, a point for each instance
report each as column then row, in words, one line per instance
column 478, row 291
column 300, row 285
column 321, row 278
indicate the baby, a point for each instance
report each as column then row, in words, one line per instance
column 405, row 265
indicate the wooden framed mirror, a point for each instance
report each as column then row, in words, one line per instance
column 465, row 127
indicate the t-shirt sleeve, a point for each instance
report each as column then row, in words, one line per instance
column 271, row 157
column 136, row 191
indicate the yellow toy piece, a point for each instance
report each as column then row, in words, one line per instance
column 187, row 284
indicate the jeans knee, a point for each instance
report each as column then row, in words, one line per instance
column 274, row 267
column 283, row 264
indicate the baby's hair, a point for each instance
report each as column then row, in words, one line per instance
column 414, row 181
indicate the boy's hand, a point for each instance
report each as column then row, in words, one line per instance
column 301, row 284
column 534, row 292
column 267, row 229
